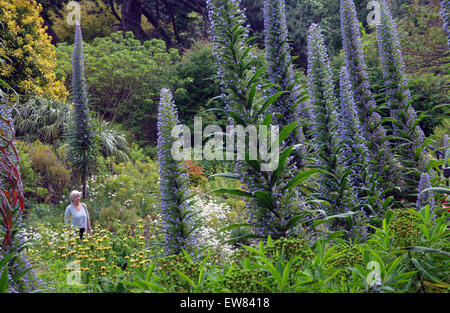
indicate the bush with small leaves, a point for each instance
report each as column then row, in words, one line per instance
column 404, row 226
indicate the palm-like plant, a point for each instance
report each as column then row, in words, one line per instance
column 112, row 140
column 40, row 118
column 48, row 120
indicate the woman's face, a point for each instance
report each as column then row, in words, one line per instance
column 76, row 199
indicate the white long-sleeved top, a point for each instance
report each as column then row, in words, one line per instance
column 79, row 217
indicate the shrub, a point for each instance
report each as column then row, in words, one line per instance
column 169, row 266
column 29, row 49
column 197, row 69
column 404, row 227
column 44, row 171
column 127, row 186
column 195, row 173
column 111, row 217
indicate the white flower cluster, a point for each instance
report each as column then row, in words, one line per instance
column 214, row 217
column 42, row 236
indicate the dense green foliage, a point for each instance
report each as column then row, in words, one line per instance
column 340, row 220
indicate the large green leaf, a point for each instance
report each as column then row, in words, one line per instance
column 302, row 176
column 234, row 192
column 225, row 175
column 332, row 217
column 264, row 198
column 437, row 189
column 281, row 164
column 424, row 271
column 286, row 131
column 4, row 280
column 425, row 250
column 270, row 100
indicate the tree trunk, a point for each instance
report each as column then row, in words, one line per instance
column 49, row 30
column 83, row 182
column 131, row 18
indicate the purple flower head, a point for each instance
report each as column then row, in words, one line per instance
column 280, row 71
column 325, row 120
column 445, row 11
column 177, row 212
column 427, row 197
column 397, row 92
column 350, row 132
column 372, row 131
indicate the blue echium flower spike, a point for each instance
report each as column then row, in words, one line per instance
column 398, row 95
column 280, row 68
column 445, row 11
column 427, row 197
column 177, row 212
column 224, row 15
column 374, row 134
column 353, row 144
column 325, row 124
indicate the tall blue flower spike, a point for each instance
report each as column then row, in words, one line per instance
column 379, row 156
column 280, row 68
column 177, row 212
column 325, row 121
column 354, row 149
column 445, row 11
column 427, row 197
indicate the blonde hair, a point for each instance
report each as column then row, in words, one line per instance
column 73, row 194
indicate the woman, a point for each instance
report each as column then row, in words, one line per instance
column 79, row 213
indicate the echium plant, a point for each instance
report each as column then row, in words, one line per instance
column 273, row 208
column 409, row 136
column 177, row 212
column 235, row 63
column 425, row 197
column 380, row 156
column 291, row 105
column 445, row 11
column 83, row 144
column 354, row 149
column 334, row 187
